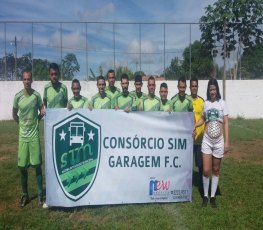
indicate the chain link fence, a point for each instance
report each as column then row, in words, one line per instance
column 92, row 48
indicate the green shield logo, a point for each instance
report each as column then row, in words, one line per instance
column 76, row 154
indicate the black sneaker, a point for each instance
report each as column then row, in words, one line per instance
column 213, row 202
column 205, row 201
column 24, row 201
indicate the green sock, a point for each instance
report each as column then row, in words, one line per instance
column 24, row 176
column 39, row 180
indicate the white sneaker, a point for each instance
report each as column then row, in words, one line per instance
column 45, row 205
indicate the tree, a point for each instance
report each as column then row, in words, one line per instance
column 239, row 19
column 139, row 73
column 10, row 67
column 40, row 69
column 252, row 62
column 123, row 69
column 100, row 70
column 174, row 71
column 23, row 63
column 201, row 61
column 69, row 66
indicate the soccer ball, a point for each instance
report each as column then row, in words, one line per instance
column 214, row 129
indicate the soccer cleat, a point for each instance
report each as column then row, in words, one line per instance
column 205, row 201
column 45, row 205
column 213, row 202
column 24, row 201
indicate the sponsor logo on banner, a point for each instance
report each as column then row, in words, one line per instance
column 76, row 147
column 159, row 189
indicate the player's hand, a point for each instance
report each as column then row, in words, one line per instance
column 43, row 111
column 194, row 132
column 70, row 107
column 127, row 109
column 169, row 110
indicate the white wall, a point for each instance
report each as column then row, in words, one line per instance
column 243, row 98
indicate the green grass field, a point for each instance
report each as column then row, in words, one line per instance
column 240, row 206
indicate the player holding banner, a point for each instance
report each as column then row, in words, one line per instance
column 28, row 109
column 214, row 145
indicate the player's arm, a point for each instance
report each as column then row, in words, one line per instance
column 45, row 97
column 91, row 104
column 190, row 108
column 42, row 112
column 65, row 97
column 15, row 115
column 226, row 127
column 86, row 104
column 45, row 102
column 199, row 122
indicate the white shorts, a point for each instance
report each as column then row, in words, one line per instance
column 213, row 146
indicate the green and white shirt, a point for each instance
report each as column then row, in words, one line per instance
column 151, row 104
column 167, row 106
column 184, row 104
column 138, row 98
column 123, row 101
column 98, row 102
column 112, row 94
column 28, row 107
column 81, row 102
column 55, row 96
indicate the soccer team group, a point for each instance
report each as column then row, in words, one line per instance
column 210, row 131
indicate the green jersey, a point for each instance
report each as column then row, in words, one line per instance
column 184, row 104
column 112, row 93
column 99, row 102
column 55, row 97
column 28, row 107
column 151, row 104
column 166, row 106
column 138, row 98
column 123, row 101
column 81, row 102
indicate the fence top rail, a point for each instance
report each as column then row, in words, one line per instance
column 125, row 23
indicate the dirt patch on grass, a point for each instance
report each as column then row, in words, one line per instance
column 247, row 151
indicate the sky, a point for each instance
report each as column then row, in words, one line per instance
column 100, row 40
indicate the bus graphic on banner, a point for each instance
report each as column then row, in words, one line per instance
column 76, row 133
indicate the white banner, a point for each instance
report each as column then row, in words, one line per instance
column 112, row 157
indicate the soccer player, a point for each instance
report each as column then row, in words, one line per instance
column 77, row 101
column 166, row 104
column 101, row 100
column 151, row 102
column 111, row 90
column 198, row 104
column 182, row 102
column 27, row 111
column 125, row 100
column 55, row 93
column 138, row 94
column 214, row 144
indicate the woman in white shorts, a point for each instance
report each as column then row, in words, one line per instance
column 215, row 144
